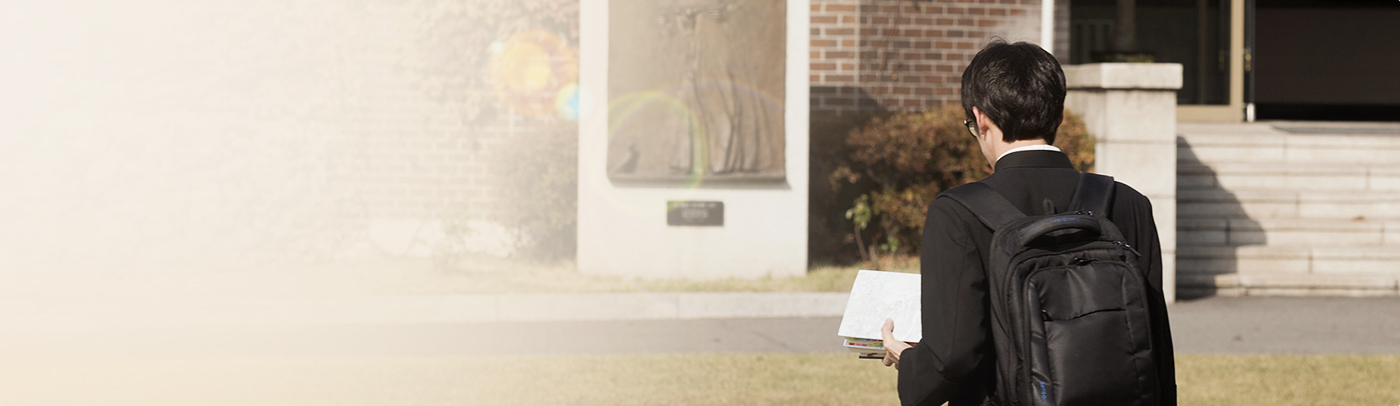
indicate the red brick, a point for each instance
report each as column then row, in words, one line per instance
column 965, row 22
column 986, row 22
column 848, row 19
column 848, row 67
column 824, row 19
column 823, row 43
column 997, row 11
column 957, row 10
column 847, row 43
column 841, row 8
column 977, row 11
column 840, row 78
column 879, row 20
column 943, row 45
column 955, row 34
column 839, row 101
column 823, row 67
column 923, row 91
column 840, row 54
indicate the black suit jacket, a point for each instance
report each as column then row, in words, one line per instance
column 955, row 361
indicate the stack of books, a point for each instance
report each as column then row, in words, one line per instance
column 876, row 296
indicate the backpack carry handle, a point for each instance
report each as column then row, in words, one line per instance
column 1056, row 223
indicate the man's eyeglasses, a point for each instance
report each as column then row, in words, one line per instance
column 971, row 127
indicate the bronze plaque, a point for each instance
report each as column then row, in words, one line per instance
column 696, row 90
column 693, row 213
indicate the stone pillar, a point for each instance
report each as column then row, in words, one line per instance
column 1131, row 110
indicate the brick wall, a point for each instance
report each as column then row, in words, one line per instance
column 902, row 54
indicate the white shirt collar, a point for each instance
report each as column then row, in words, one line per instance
column 1030, row 148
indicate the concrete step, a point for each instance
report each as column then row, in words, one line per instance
column 1291, row 143
column 1287, row 204
column 1296, row 260
column 1197, row 286
column 1287, row 270
column 1322, row 232
column 1276, row 176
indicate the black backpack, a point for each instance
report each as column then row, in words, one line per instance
column 1070, row 318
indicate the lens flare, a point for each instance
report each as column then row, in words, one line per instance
column 566, row 102
column 531, row 69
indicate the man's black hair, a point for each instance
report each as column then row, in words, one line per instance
column 1019, row 86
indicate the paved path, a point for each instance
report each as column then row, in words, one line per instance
column 387, row 327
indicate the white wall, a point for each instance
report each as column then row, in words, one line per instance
column 622, row 229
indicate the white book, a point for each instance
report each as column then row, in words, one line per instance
column 878, row 295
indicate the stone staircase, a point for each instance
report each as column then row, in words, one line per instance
column 1288, row 208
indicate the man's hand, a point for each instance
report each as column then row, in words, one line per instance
column 893, row 347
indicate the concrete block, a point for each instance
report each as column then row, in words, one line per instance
column 1242, row 260
column 1141, row 116
column 1349, row 266
column 1351, row 155
column 1148, row 167
column 1200, row 237
column 1227, row 129
column 1233, row 153
column 1166, row 76
column 1384, row 179
column 1306, row 237
column 1208, row 281
column 1195, row 182
column 1250, row 210
column 1341, row 141
column 1272, row 266
column 1363, row 208
column 1392, row 233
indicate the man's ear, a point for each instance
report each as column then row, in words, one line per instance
column 983, row 122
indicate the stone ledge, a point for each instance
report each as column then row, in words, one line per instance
column 1286, row 285
column 1124, row 76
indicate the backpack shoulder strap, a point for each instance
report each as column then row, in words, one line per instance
column 1094, row 194
column 989, row 206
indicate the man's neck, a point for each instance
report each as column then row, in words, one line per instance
column 1001, row 148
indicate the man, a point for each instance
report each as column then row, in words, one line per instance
column 1013, row 95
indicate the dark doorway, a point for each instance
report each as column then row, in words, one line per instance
column 1327, row 60
column 1193, row 33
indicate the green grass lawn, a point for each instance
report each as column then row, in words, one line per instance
column 841, row 379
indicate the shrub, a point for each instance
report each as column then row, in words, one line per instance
column 537, row 195
column 889, row 170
